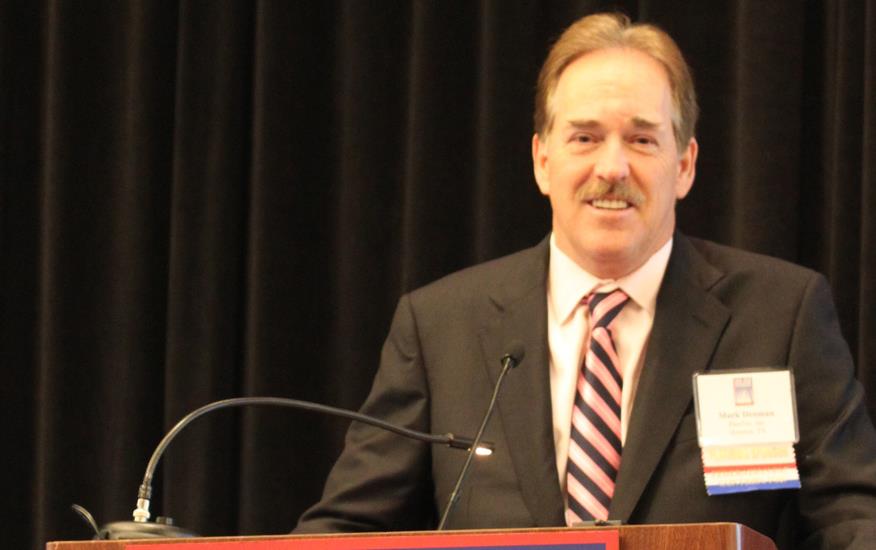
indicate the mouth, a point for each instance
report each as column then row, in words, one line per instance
column 609, row 204
column 610, row 196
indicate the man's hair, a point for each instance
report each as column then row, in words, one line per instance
column 614, row 30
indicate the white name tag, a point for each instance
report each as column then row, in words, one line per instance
column 747, row 425
column 749, row 407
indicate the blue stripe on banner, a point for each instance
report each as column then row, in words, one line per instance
column 588, row 546
column 746, row 488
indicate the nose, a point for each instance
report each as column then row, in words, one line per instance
column 612, row 163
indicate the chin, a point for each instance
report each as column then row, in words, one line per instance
column 605, row 248
column 609, row 258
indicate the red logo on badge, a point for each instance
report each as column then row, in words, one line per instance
column 743, row 391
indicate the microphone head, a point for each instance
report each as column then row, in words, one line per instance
column 515, row 354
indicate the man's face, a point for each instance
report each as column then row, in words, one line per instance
column 610, row 164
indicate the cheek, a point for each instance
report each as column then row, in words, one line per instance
column 662, row 181
column 569, row 174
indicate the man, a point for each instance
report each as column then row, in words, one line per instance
column 617, row 311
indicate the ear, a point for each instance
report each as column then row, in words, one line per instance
column 687, row 169
column 540, row 164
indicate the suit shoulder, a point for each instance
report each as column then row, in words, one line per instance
column 520, row 271
column 736, row 263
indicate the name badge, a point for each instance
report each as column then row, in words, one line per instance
column 747, row 427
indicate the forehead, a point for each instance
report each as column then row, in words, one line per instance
column 613, row 83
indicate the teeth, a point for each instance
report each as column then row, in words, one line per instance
column 610, row 204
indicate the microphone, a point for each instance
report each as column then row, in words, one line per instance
column 512, row 358
column 163, row 527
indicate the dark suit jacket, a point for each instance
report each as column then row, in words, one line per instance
column 718, row 308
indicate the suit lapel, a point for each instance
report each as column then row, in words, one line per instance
column 687, row 326
column 524, row 405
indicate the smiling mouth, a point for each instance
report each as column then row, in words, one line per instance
column 609, row 204
column 610, row 196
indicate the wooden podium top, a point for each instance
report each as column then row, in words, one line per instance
column 702, row 536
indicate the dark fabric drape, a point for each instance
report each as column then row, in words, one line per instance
column 211, row 199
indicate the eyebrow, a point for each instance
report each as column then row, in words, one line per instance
column 638, row 122
column 583, row 124
column 645, row 124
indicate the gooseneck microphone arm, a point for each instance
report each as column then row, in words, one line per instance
column 144, row 495
column 511, row 359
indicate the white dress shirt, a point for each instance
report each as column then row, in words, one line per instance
column 568, row 330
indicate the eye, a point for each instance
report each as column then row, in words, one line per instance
column 643, row 140
column 583, row 140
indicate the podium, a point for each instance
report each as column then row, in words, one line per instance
column 699, row 536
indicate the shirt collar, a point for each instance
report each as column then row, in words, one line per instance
column 569, row 283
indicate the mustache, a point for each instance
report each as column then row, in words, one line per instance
column 616, row 190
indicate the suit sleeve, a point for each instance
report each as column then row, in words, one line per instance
column 381, row 482
column 837, row 448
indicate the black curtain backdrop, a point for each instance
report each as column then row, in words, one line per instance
column 207, row 199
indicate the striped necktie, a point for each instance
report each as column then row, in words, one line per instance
column 595, row 442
